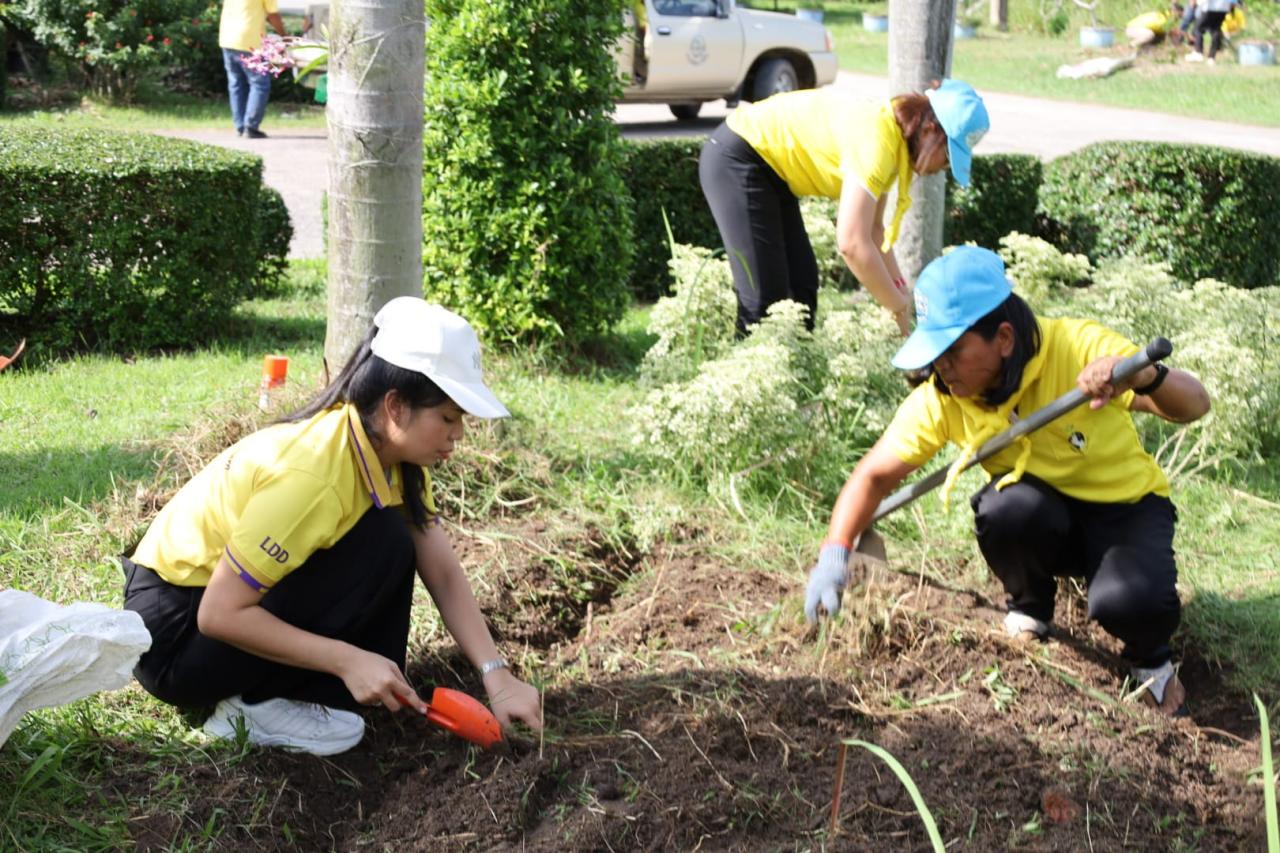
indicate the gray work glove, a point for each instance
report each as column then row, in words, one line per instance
column 827, row 581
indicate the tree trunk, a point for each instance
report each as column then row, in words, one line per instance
column 920, row 37
column 1000, row 15
column 375, row 164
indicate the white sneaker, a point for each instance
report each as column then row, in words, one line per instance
column 1195, row 56
column 1020, row 626
column 1211, row 61
column 302, row 726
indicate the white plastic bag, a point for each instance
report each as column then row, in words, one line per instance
column 52, row 655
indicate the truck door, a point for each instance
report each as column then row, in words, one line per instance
column 691, row 48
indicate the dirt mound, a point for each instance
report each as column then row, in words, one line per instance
column 690, row 708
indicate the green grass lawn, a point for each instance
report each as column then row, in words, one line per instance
column 1024, row 63
column 156, row 110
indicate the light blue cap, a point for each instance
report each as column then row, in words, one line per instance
column 952, row 293
column 963, row 116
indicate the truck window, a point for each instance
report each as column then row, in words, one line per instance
column 686, row 8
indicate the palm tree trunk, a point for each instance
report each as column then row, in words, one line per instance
column 375, row 164
column 920, row 38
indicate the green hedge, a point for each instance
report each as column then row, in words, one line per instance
column 129, row 241
column 1002, row 196
column 663, row 176
column 1209, row 212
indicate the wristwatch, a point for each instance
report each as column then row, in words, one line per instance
column 490, row 665
column 1161, row 373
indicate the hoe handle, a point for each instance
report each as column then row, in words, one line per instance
column 1155, row 351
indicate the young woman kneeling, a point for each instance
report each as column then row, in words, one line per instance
column 277, row 583
column 1080, row 497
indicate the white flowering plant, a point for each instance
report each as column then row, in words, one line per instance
column 696, row 322
column 1039, row 270
column 795, row 402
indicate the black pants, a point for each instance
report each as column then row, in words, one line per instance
column 359, row 591
column 760, row 222
column 1030, row 534
column 1212, row 22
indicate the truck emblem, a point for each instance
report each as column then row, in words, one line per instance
column 697, row 51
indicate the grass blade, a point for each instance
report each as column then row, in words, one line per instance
column 1268, row 780
column 930, row 825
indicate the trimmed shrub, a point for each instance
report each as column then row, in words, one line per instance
column 662, row 176
column 527, row 224
column 274, row 233
column 1208, row 212
column 1002, row 196
column 129, row 241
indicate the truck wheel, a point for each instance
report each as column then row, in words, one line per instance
column 775, row 76
column 685, row 112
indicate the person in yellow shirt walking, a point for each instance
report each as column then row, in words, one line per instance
column 240, row 32
column 1080, row 497
column 827, row 142
column 277, row 583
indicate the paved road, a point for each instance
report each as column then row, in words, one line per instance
column 295, row 161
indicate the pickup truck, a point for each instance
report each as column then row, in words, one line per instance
column 686, row 52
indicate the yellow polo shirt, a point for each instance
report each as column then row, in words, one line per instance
column 271, row 500
column 244, row 23
column 816, row 139
column 1086, row 454
column 1157, row 22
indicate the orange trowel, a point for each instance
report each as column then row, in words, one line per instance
column 463, row 715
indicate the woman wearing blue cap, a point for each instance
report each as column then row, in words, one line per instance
column 1079, row 497
column 828, row 142
column 278, row 582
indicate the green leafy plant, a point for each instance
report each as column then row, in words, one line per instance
column 114, row 42
column 922, row 808
column 1268, row 779
column 527, row 223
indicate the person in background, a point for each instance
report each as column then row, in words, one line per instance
column 240, row 32
column 278, row 583
column 1079, row 497
column 1215, row 12
column 828, row 142
column 1151, row 28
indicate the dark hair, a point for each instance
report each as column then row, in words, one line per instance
column 1026, row 343
column 920, row 127
column 364, row 381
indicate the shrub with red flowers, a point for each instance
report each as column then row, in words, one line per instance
column 115, row 42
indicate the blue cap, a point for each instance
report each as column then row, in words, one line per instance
column 963, row 116
column 952, row 293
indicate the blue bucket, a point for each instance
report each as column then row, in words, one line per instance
column 1097, row 36
column 1256, row 53
column 963, row 31
column 875, row 23
column 814, row 15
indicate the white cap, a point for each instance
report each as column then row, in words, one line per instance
column 441, row 346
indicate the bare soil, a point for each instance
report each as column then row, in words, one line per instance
column 689, row 707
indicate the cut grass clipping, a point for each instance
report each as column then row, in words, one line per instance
column 1268, row 780
column 930, row 825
